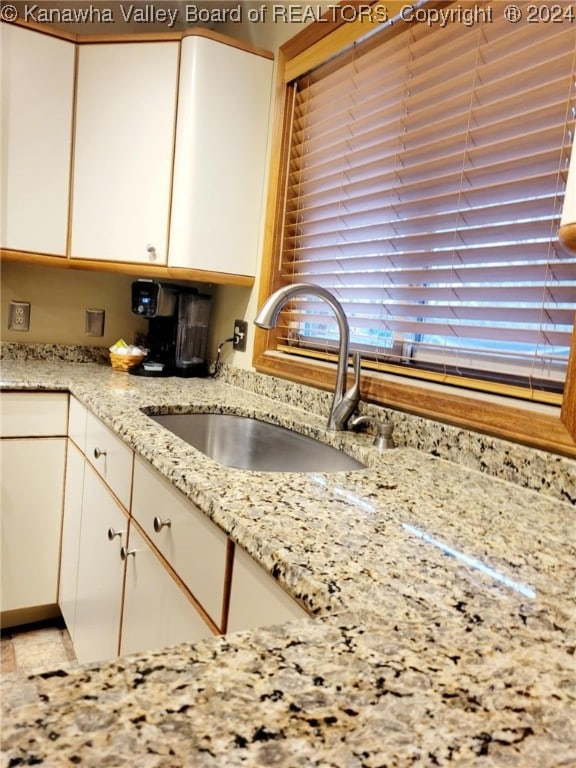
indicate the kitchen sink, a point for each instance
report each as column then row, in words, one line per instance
column 246, row 443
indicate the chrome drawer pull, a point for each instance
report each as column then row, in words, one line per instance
column 125, row 553
column 159, row 524
column 98, row 453
column 112, row 534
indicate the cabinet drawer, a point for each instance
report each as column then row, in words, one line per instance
column 110, row 457
column 33, row 414
column 256, row 599
column 77, row 416
column 193, row 545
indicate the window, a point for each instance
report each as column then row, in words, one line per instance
column 422, row 173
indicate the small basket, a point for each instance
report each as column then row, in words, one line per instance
column 125, row 362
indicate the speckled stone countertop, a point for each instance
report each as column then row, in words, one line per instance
column 442, row 603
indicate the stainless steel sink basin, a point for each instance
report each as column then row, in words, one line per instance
column 246, row 443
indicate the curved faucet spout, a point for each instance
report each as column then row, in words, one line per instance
column 344, row 402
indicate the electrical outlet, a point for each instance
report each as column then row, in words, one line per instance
column 19, row 316
column 240, row 335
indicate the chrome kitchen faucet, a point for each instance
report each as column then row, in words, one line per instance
column 344, row 402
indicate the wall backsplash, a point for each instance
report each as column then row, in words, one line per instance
column 60, row 353
column 60, row 297
column 539, row 471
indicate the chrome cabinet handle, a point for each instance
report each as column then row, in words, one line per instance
column 112, row 534
column 125, row 553
column 151, row 250
column 159, row 524
column 98, row 453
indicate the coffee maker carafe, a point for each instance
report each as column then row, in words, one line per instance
column 178, row 319
column 192, row 333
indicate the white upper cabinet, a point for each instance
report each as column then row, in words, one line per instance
column 220, row 157
column 125, row 113
column 148, row 153
column 37, row 94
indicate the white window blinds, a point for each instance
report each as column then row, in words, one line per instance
column 426, row 176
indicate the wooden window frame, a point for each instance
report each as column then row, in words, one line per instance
column 546, row 427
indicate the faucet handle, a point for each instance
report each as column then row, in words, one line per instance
column 354, row 392
column 383, row 439
column 348, row 401
column 356, row 362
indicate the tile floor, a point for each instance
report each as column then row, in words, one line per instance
column 35, row 648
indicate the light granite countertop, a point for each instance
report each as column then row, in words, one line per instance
column 441, row 601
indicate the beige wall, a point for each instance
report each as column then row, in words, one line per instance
column 272, row 27
column 243, row 303
column 60, row 297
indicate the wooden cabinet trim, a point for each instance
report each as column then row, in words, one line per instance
column 144, row 37
column 76, row 261
column 127, row 268
column 507, row 418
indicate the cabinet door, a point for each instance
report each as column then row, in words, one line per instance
column 157, row 612
column 125, row 113
column 220, row 161
column 193, row 545
column 256, row 599
column 71, row 524
column 100, row 573
column 36, row 113
column 32, row 480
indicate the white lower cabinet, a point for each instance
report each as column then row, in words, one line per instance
column 100, row 572
column 256, row 599
column 157, row 612
column 33, row 414
column 32, row 472
column 117, row 594
column 94, row 530
column 153, row 571
column 32, row 461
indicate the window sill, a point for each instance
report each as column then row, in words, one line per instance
column 533, row 424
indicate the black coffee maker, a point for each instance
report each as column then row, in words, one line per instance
column 178, row 319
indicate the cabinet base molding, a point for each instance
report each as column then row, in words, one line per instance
column 21, row 616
